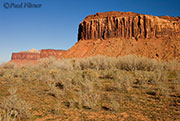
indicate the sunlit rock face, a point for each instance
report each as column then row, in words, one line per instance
column 127, row 25
column 124, row 33
column 34, row 55
column 25, row 56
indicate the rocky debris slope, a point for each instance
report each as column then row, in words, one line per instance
column 123, row 33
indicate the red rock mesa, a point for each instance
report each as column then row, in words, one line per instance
column 123, row 33
column 26, row 56
column 33, row 55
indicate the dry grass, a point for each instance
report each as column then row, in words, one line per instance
column 128, row 63
column 13, row 108
column 114, row 85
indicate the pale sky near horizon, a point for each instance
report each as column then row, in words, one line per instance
column 55, row 24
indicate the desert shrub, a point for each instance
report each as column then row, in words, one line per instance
column 78, row 89
column 98, row 63
column 94, row 83
column 156, row 81
column 159, row 75
column 128, row 63
column 14, row 108
column 160, row 79
column 144, row 77
column 124, row 82
column 17, row 74
column 9, row 65
column 7, row 74
column 47, row 62
column 178, row 76
column 51, row 62
column 64, row 64
column 76, row 63
column 109, row 102
column 88, row 98
column 173, row 65
column 133, row 62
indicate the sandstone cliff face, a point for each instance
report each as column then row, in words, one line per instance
column 124, row 33
column 33, row 55
column 25, row 56
column 50, row 52
column 127, row 25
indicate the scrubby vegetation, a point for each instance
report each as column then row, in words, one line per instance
column 145, row 89
column 128, row 63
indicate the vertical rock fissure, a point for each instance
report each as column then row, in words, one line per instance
column 125, row 26
column 145, row 28
column 139, row 26
column 132, row 27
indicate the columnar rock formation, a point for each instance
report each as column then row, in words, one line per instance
column 50, row 52
column 126, row 25
column 123, row 33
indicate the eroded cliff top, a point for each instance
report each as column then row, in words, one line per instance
column 125, row 14
column 110, row 14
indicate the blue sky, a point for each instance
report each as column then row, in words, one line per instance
column 55, row 24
